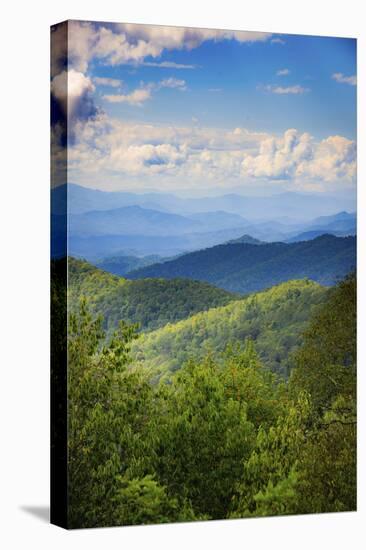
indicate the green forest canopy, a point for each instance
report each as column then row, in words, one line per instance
column 274, row 319
column 152, row 303
column 223, row 439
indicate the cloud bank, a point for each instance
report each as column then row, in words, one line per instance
column 194, row 156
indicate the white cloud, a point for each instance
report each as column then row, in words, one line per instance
column 278, row 41
column 297, row 156
column 281, row 90
column 129, row 43
column 140, row 95
column 196, row 156
column 81, row 43
column 59, row 89
column 137, row 97
column 342, row 79
column 283, row 72
column 168, row 65
column 70, row 88
column 137, row 159
column 334, row 159
column 173, row 83
column 278, row 158
column 109, row 82
column 185, row 37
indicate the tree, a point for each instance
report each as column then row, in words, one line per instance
column 326, row 367
column 204, row 436
column 268, row 484
column 326, row 363
column 108, row 416
column 223, row 436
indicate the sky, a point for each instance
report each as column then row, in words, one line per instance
column 197, row 111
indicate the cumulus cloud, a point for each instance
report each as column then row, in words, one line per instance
column 283, row 90
column 335, row 159
column 136, row 159
column 278, row 158
column 73, row 91
column 195, row 155
column 342, row 79
column 297, row 156
column 71, row 103
column 283, row 72
column 108, row 146
column 109, row 82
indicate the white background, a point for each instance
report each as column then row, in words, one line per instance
column 24, row 357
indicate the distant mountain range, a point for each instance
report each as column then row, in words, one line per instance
column 132, row 220
column 244, row 268
column 218, row 219
column 339, row 225
column 103, row 224
column 300, row 206
column 96, row 248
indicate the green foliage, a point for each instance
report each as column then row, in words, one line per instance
column 203, row 435
column 268, row 483
column 141, row 501
column 274, row 319
column 327, row 479
column 326, row 368
column 109, row 407
column 151, row 303
column 326, row 363
column 307, row 463
column 225, row 437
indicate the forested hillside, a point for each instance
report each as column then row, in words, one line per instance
column 151, row 303
column 273, row 319
column 244, row 267
column 226, row 438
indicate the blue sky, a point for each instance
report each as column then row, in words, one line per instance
column 225, row 88
column 176, row 109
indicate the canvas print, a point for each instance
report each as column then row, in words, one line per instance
column 203, row 270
